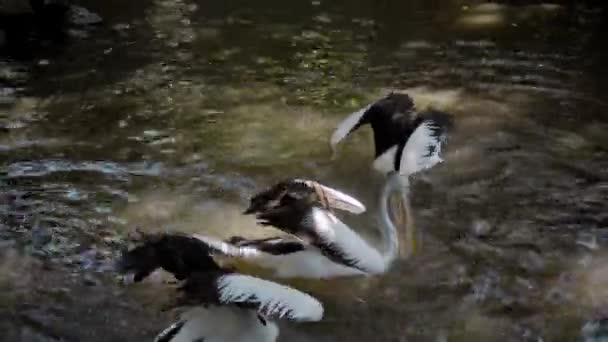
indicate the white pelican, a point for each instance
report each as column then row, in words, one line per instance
column 224, row 306
column 406, row 141
column 320, row 245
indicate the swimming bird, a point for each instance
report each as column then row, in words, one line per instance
column 319, row 244
column 405, row 140
column 222, row 305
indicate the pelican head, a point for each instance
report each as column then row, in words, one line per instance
column 304, row 191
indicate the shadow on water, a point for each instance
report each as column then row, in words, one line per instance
column 170, row 115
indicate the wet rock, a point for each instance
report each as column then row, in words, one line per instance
column 595, row 331
column 78, row 34
column 89, row 280
column 7, row 94
column 6, row 244
column 30, row 335
column 481, row 228
column 82, row 17
column 532, row 262
column 41, row 237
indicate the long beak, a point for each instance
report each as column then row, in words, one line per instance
column 405, row 227
column 335, row 199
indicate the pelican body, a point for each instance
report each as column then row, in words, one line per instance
column 223, row 306
column 319, row 244
column 405, row 140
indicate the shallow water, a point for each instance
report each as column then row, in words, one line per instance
column 171, row 114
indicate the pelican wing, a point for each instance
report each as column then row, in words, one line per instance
column 176, row 253
column 183, row 255
column 389, row 113
column 423, row 148
column 349, row 124
column 273, row 246
column 204, row 282
column 270, row 299
column 227, row 248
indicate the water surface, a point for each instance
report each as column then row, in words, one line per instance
column 170, row 115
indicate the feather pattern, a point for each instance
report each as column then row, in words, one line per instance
column 340, row 243
column 347, row 125
column 271, row 299
column 405, row 140
column 273, row 245
column 220, row 324
column 322, row 229
column 226, row 248
column 421, row 150
column 206, row 282
column 332, row 248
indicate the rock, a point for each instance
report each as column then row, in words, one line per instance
column 82, row 17
column 41, row 237
column 89, row 280
column 481, row 228
column 30, row 335
column 595, row 331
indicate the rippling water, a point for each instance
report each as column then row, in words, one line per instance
column 171, row 114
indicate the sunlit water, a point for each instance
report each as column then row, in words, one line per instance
column 173, row 113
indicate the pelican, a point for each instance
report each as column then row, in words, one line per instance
column 319, row 244
column 222, row 305
column 406, row 141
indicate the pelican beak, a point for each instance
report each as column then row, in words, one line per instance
column 335, row 199
column 405, row 227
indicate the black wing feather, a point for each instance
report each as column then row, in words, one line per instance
column 178, row 254
column 274, row 245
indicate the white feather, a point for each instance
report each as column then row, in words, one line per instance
column 225, row 324
column 309, row 263
column 349, row 242
column 346, row 125
column 227, row 248
column 274, row 299
column 385, row 162
column 415, row 156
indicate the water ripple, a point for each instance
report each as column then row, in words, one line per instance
column 45, row 167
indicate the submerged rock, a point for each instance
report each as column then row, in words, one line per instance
column 595, row 331
column 81, row 16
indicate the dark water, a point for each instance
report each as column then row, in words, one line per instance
column 171, row 114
